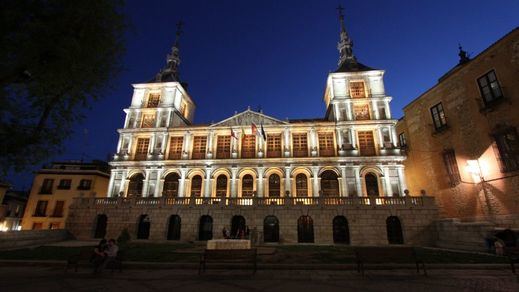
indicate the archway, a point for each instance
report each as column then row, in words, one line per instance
column 238, row 226
column 508, row 237
column 221, row 186
column 196, row 186
column 271, row 229
column 101, row 223
column 301, row 185
column 274, row 185
column 174, row 227
column 205, row 228
column 171, row 185
column 341, row 230
column 135, row 185
column 329, row 184
column 143, row 230
column 371, row 184
column 305, row 229
column 247, row 185
column 394, row 230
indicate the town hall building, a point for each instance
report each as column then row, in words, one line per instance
column 339, row 178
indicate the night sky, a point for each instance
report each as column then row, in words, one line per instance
column 276, row 55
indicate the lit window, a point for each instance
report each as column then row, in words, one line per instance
column 153, row 100
column 402, row 140
column 175, row 147
column 247, row 185
column 273, row 145
column 85, row 184
column 248, row 146
column 438, row 117
column 361, row 112
column 326, row 144
column 357, row 89
column 223, row 147
column 489, row 88
column 449, row 159
column 148, row 121
column 199, row 145
column 300, row 144
column 141, row 151
column 507, row 143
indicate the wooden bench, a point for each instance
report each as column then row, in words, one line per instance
column 371, row 255
column 512, row 252
column 228, row 256
column 83, row 256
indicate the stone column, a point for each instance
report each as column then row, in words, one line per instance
column 158, row 116
column 394, row 136
column 349, row 111
column 344, row 183
column 259, row 182
column 401, row 180
column 159, row 185
column 375, row 110
column 209, row 144
column 164, row 143
column 387, row 109
column 338, row 134
column 207, row 182
column 315, row 175
column 182, row 183
column 286, row 144
column 124, row 181
column 288, row 182
column 234, row 189
column 110, row 192
column 146, row 183
column 387, row 182
column 380, row 137
column 358, row 181
column 185, row 142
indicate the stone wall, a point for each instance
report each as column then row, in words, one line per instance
column 25, row 238
column 366, row 220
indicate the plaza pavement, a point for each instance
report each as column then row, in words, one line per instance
column 55, row 279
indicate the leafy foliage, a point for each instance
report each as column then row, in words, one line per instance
column 56, row 57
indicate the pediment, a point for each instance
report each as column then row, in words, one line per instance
column 248, row 117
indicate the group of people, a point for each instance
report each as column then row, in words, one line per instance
column 104, row 253
column 241, row 233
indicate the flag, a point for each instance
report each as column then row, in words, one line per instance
column 254, row 129
column 233, row 134
column 263, row 133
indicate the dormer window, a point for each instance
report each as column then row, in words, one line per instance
column 357, row 89
column 153, row 100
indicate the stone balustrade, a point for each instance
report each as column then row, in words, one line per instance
column 329, row 201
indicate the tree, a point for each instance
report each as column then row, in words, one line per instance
column 56, row 58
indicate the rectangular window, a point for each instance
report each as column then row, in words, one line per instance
column 438, row 117
column 223, row 147
column 64, row 184
column 248, row 146
column 366, row 143
column 449, row 159
column 46, row 187
column 153, row 100
column 361, row 112
column 507, row 143
column 148, row 121
column 41, row 209
column 489, row 87
column 357, row 89
column 274, row 145
column 382, row 112
column 141, row 152
column 175, row 147
column 402, row 140
column 199, row 145
column 300, row 144
column 85, row 184
column 58, row 209
column 326, row 147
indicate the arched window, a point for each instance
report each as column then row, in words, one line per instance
column 238, row 227
column 174, row 227
column 341, row 231
column 171, row 185
column 205, row 228
column 301, row 185
column 371, row 184
column 329, row 184
column 247, row 185
column 221, row 186
column 305, row 229
column 196, row 186
column 143, row 229
column 394, row 230
column 274, row 185
column 271, row 229
column 135, row 185
column 100, row 229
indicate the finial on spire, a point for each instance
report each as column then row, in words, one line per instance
column 464, row 56
column 345, row 45
column 171, row 73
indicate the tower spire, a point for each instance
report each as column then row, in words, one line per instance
column 171, row 72
column 345, row 45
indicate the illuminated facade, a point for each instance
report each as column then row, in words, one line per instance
column 461, row 137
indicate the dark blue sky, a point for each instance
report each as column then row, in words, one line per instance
column 277, row 54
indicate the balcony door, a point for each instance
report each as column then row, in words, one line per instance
column 366, row 143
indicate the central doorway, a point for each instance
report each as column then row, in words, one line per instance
column 371, row 184
column 271, row 229
column 305, row 229
column 237, row 226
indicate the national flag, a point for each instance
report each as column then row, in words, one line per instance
column 254, row 129
column 263, row 133
column 233, row 134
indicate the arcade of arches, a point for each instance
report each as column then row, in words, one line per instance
column 301, row 182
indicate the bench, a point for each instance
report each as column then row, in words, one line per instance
column 228, row 256
column 83, row 256
column 512, row 252
column 370, row 255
